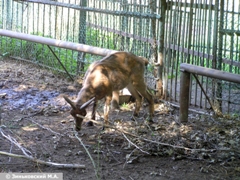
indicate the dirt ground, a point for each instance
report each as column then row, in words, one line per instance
column 36, row 117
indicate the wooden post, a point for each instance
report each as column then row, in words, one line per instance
column 184, row 96
column 159, row 66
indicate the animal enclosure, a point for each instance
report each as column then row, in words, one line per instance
column 34, row 118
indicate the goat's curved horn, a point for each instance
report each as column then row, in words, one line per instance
column 87, row 103
column 70, row 102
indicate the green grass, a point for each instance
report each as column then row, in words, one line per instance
column 125, row 106
column 40, row 54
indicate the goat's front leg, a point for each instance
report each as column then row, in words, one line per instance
column 94, row 110
column 93, row 117
column 115, row 100
column 107, row 108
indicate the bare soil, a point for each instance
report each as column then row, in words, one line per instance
column 34, row 113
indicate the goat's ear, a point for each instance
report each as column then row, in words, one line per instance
column 87, row 103
column 70, row 102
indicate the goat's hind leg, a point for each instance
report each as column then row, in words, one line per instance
column 142, row 89
column 107, row 108
column 138, row 98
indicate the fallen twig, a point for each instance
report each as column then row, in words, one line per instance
column 46, row 128
column 43, row 127
column 3, row 95
column 94, row 165
column 14, row 141
column 30, row 115
column 28, row 155
column 58, row 165
column 134, row 144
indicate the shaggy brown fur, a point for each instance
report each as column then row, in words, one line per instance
column 111, row 74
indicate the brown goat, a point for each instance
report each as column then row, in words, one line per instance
column 105, row 77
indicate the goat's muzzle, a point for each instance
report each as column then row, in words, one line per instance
column 78, row 119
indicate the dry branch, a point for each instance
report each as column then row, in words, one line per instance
column 94, row 165
column 134, row 144
column 43, row 127
column 38, row 161
column 27, row 155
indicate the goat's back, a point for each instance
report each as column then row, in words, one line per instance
column 125, row 60
column 115, row 72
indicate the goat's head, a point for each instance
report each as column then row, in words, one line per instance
column 78, row 110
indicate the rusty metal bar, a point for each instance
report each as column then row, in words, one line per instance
column 204, row 92
column 186, row 69
column 57, row 43
column 59, row 61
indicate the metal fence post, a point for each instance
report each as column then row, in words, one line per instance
column 184, row 95
column 82, row 36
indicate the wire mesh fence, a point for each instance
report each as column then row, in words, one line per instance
column 209, row 98
column 107, row 24
column 199, row 32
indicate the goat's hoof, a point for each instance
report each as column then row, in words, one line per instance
column 103, row 128
column 133, row 118
column 89, row 123
column 149, row 120
column 77, row 128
